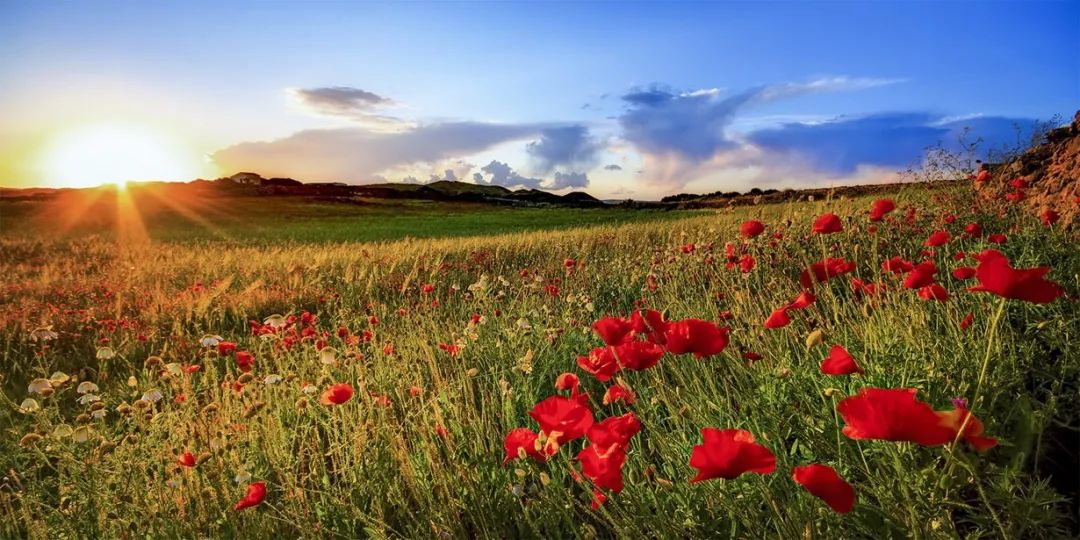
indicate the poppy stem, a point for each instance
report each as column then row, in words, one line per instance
column 986, row 358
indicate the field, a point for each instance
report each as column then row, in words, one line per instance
column 158, row 376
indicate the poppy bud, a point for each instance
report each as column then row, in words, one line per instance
column 29, row 440
column 254, row 409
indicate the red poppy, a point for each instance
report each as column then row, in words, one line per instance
column 778, row 319
column 562, row 419
column 427, row 288
column 751, row 228
column 839, row 362
column 747, row 263
column 820, row 272
column 973, row 230
column 823, row 482
column 938, row 238
column 688, row 248
column 613, row 330
column 964, row 273
column 621, row 393
column 728, row 453
column 996, row 275
column 896, row 265
column 522, row 441
column 862, row 288
column 920, row 276
column 568, row 381
column 652, row 325
column 934, row 291
column 892, row 415
column 880, row 208
column 336, row 394
column 828, row 224
column 1049, row 217
column 256, row 492
column 225, row 348
column 600, row 362
column 187, row 459
column 959, row 418
column 616, row 430
column 702, row 338
column 245, row 360
column 638, row 355
column 603, row 467
column 451, row 348
column 803, row 301
column 966, row 322
column 997, row 238
column 751, row 356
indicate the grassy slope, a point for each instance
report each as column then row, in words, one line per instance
column 365, row 469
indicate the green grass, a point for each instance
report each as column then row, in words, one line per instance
column 367, row 470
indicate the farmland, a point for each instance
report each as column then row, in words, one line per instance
column 305, row 370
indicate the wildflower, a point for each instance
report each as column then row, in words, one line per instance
column 225, row 348
column 881, row 207
column 86, row 387
column 617, row 393
column 827, row 224
column 40, row 386
column 600, row 363
column 638, row 355
column 327, row 356
column 729, row 453
column 105, row 353
column 45, row 333
column 997, row 276
column 613, row 330
column 920, row 276
column 934, row 291
column 1049, row 217
column 336, row 394
column 823, row 482
column 187, row 459
column 891, row 415
column 938, row 238
column 256, row 492
column 839, row 362
column 245, row 360
column 964, row 273
column 751, row 228
column 210, row 340
column 522, row 442
column 778, row 319
column 822, row 271
column 562, row 419
column 696, row 336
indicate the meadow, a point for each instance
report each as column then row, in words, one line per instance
column 288, row 380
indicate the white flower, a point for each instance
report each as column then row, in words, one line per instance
column 29, row 405
column 210, row 340
column 87, row 399
column 86, row 387
column 174, row 369
column 44, row 333
column 58, row 378
column 153, row 396
column 105, row 353
column 242, row 477
column 272, row 379
column 309, row 389
column 61, row 431
column 275, row 321
column 81, row 434
column 39, row 386
column 523, row 324
column 99, row 414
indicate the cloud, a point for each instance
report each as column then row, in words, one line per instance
column 504, row 175
column 358, row 154
column 613, row 167
column 563, row 146
column 892, row 140
column 339, row 100
column 568, row 180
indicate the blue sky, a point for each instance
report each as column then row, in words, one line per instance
column 741, row 90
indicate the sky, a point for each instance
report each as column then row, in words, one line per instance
column 622, row 99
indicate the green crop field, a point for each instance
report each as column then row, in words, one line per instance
column 276, row 368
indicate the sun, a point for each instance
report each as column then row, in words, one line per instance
column 116, row 153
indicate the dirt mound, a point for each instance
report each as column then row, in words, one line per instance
column 1052, row 170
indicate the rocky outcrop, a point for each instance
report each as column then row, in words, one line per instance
column 1052, row 170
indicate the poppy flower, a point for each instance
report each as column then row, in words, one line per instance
column 934, row 291
column 828, row 224
column 803, row 301
column 568, row 381
column 966, row 322
column 778, row 319
column 521, row 442
column 822, row 271
column 1049, row 217
column 702, row 338
column 892, row 415
column 562, row 419
column 621, row 393
column 225, row 348
column 961, row 417
column 996, row 275
column 964, row 273
column 997, row 238
column 881, row 207
column 256, row 492
column 613, row 330
column 603, row 467
column 652, row 325
column 938, row 238
column 187, row 459
column 751, row 228
column 638, row 355
column 920, row 276
column 823, row 482
column 862, row 288
column 896, row 265
column 973, row 230
column 839, row 362
column 600, row 363
column 336, row 394
column 728, row 453
column 747, row 263
column 751, row 356
column 616, row 430
column 245, row 360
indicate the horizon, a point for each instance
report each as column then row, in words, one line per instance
column 642, row 102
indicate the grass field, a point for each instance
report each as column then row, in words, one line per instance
column 112, row 373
